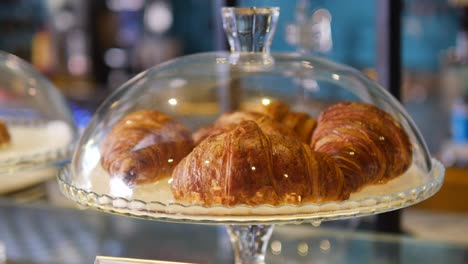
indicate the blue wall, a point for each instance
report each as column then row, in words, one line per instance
column 429, row 27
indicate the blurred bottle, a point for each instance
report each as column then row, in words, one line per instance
column 455, row 96
column 19, row 23
column 129, row 36
column 43, row 52
column 311, row 30
column 157, row 44
column 115, row 27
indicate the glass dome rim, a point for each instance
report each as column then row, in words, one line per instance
column 42, row 83
column 23, row 64
column 165, row 66
column 289, row 57
column 162, row 66
column 18, row 69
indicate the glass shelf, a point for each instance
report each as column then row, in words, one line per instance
column 38, row 234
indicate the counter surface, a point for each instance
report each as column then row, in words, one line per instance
column 33, row 234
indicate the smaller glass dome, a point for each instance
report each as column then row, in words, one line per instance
column 35, row 121
column 293, row 135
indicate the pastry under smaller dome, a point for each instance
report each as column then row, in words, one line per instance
column 4, row 134
column 245, row 165
column 144, row 146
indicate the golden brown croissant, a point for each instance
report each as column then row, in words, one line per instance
column 368, row 144
column 301, row 123
column 144, row 146
column 274, row 118
column 4, row 135
column 229, row 121
column 276, row 110
column 245, row 165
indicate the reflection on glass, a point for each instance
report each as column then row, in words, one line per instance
column 275, row 247
column 325, row 245
column 119, row 188
column 172, row 101
column 302, row 249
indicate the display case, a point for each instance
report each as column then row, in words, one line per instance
column 233, row 138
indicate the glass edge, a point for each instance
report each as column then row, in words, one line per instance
column 35, row 161
column 251, row 10
column 423, row 192
column 54, row 91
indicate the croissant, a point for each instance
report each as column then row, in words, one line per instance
column 276, row 110
column 144, row 146
column 245, row 165
column 301, row 123
column 368, row 144
column 274, row 118
column 4, row 135
column 229, row 121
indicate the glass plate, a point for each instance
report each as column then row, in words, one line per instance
column 34, row 143
column 26, row 178
column 408, row 189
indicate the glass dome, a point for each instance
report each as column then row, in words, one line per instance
column 126, row 157
column 36, row 123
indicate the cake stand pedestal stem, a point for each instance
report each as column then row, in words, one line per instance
column 250, row 242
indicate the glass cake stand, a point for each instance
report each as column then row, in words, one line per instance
column 197, row 89
column 250, row 227
column 41, row 128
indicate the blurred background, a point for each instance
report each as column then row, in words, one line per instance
column 89, row 48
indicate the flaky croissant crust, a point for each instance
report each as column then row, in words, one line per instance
column 245, row 165
column 300, row 123
column 274, row 118
column 144, row 146
column 368, row 144
column 4, row 134
column 231, row 120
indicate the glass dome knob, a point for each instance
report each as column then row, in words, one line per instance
column 250, row 30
